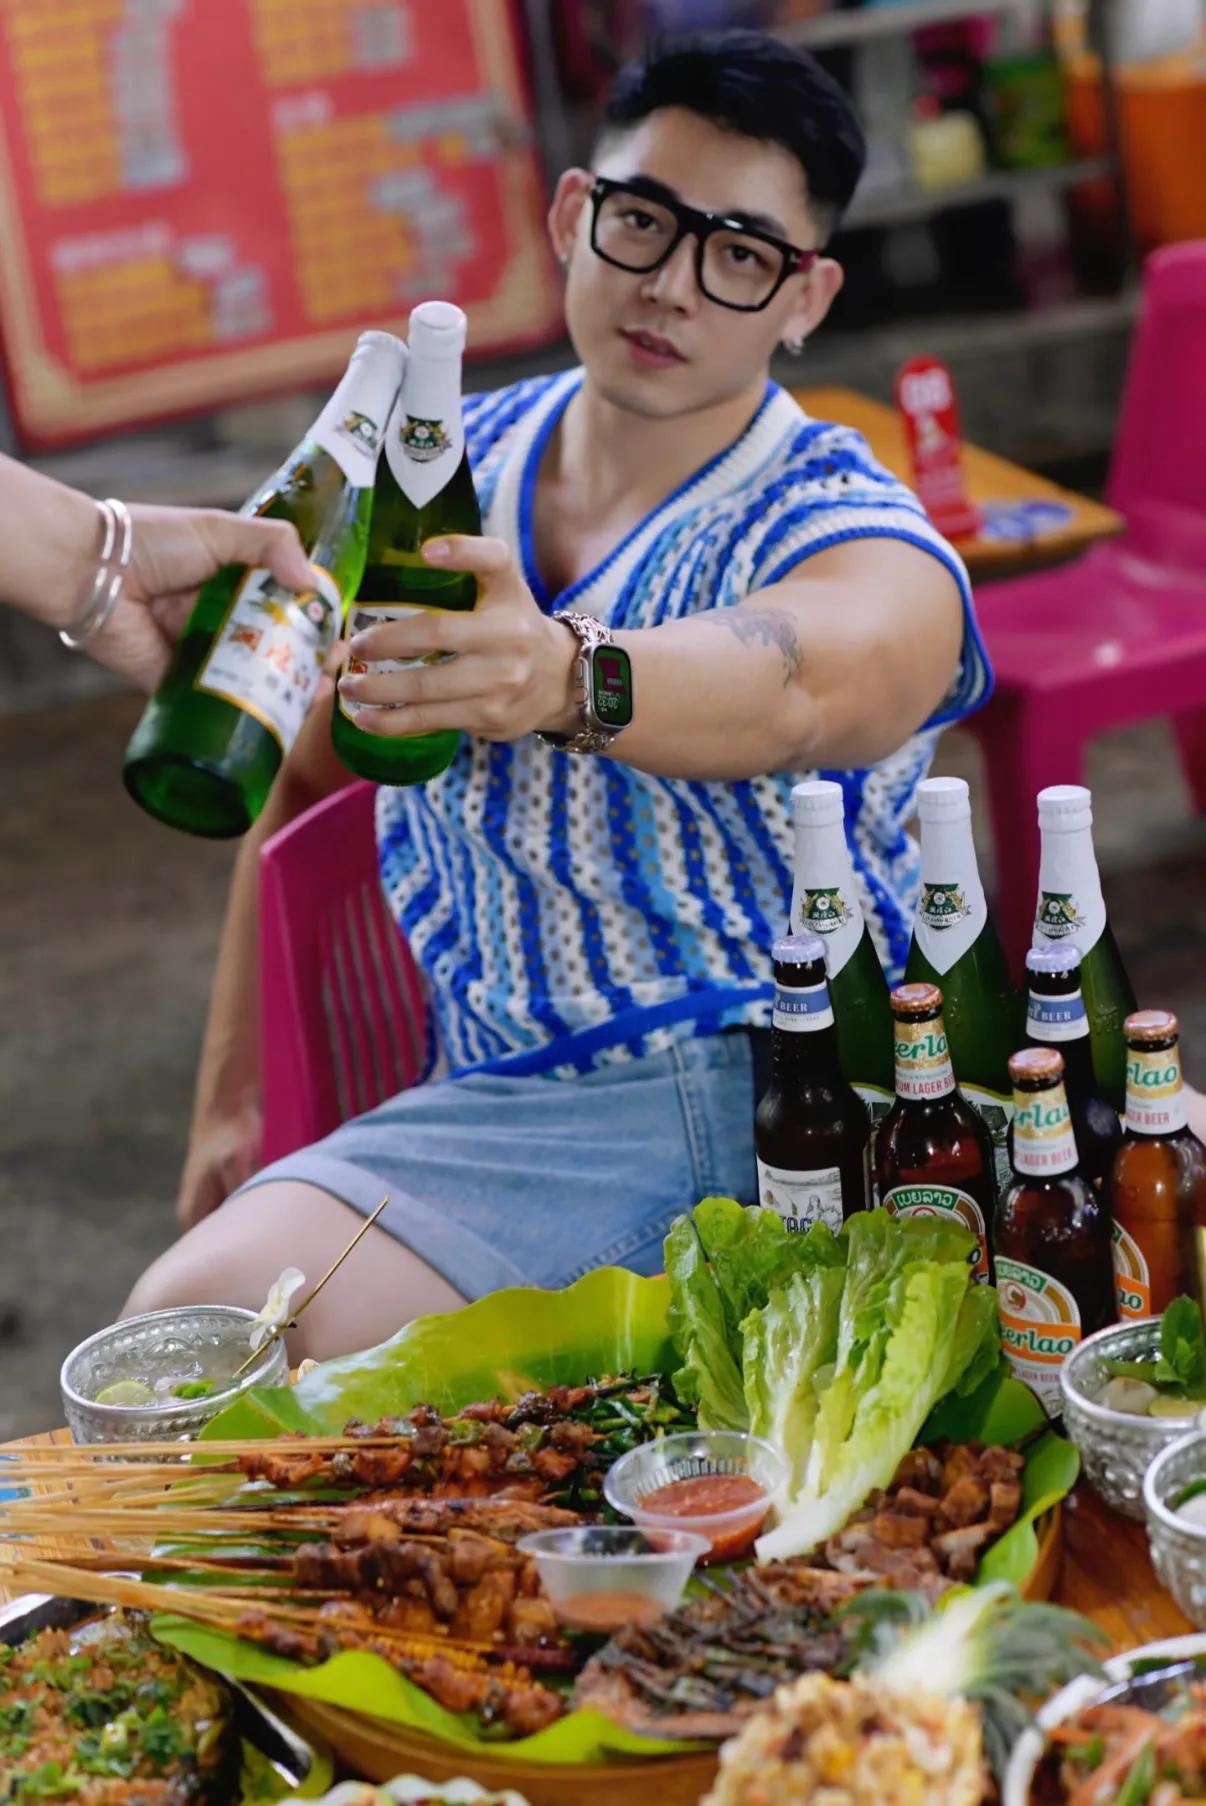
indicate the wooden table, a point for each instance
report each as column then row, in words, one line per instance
column 1107, row 1572
column 989, row 479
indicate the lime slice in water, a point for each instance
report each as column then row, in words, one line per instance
column 126, row 1392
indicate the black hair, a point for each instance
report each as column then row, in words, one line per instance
column 752, row 83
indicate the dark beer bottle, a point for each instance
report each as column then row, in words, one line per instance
column 424, row 489
column 1156, row 1190
column 1055, row 1273
column 933, row 1151
column 825, row 901
column 1056, row 1017
column 812, row 1129
column 1071, row 908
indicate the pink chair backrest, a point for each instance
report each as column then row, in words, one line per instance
column 1159, row 461
column 342, row 1013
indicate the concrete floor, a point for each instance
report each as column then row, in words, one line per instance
column 108, row 925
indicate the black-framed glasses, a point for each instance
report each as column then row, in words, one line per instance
column 735, row 265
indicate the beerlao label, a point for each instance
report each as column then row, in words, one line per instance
column 1132, row 1277
column 939, row 1201
column 1155, row 1097
column 1052, row 1019
column 801, row 1011
column 353, row 439
column 270, row 651
column 1040, row 1327
column 1044, row 1142
column 951, row 911
column 802, row 1199
column 923, row 1061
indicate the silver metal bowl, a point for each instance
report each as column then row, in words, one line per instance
column 1116, row 1447
column 202, row 1339
column 1178, row 1546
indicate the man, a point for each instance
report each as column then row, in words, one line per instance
column 595, row 927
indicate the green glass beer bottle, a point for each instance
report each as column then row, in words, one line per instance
column 1071, row 908
column 825, row 901
column 955, row 946
column 424, row 489
column 211, row 739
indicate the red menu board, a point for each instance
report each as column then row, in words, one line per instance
column 201, row 200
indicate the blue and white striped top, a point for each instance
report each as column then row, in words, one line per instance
column 570, row 911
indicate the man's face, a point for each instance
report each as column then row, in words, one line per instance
column 653, row 343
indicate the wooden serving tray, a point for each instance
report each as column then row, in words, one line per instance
column 378, row 1750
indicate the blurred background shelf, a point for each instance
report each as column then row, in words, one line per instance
column 862, row 27
column 997, row 185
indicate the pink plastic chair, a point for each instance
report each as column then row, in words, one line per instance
column 342, row 1012
column 1120, row 636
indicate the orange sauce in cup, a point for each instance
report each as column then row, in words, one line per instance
column 714, row 1495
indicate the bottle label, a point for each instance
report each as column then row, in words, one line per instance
column 1057, row 1018
column 1040, row 1327
column 834, row 913
column 1132, row 1277
column 1155, row 1098
column 923, row 1061
column 951, row 912
column 1070, row 904
column 802, row 1199
column 944, row 1200
column 269, row 652
column 425, row 439
column 802, row 1012
column 351, row 427
column 362, row 616
column 995, row 1111
column 1044, row 1142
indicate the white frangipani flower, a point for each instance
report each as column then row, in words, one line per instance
column 276, row 1313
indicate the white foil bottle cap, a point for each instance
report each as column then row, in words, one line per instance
column 819, row 802
column 437, row 329
column 1065, row 806
column 943, row 799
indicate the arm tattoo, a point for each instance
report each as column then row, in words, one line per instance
column 762, row 627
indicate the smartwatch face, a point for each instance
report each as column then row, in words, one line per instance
column 611, row 697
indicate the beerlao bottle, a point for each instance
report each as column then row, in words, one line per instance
column 933, row 1152
column 1156, row 1190
column 1055, row 1274
column 424, row 489
column 1055, row 1017
column 955, row 946
column 811, row 1130
column 1070, row 908
column 825, row 901
column 212, row 737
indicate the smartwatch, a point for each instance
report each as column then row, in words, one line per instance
column 602, row 686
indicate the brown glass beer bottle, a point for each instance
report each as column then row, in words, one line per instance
column 1055, row 1277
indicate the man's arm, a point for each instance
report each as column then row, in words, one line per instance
column 835, row 666
column 224, row 1140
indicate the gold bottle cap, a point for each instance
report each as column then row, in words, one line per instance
column 1033, row 1065
column 915, row 1000
column 1151, row 1025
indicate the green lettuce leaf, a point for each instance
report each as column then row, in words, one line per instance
column 872, row 1412
column 723, row 1261
column 976, row 1348
column 709, row 1376
column 786, row 1344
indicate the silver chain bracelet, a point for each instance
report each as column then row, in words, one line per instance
column 111, row 574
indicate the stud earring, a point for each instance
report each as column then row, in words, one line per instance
column 794, row 347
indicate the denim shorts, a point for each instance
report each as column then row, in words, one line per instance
column 503, row 1181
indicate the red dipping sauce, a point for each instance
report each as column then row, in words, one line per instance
column 737, row 1497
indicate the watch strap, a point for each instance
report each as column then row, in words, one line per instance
column 591, row 737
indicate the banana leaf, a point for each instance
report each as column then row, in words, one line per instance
column 609, row 1322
